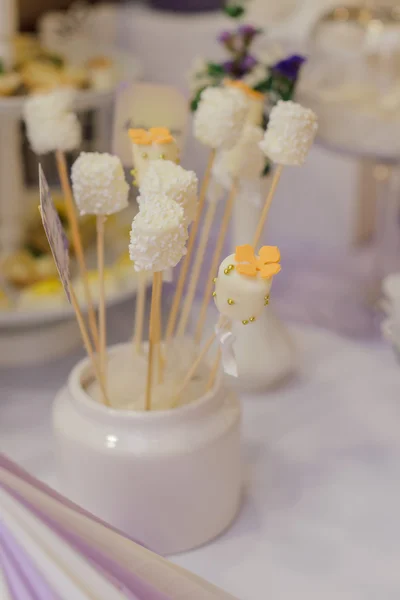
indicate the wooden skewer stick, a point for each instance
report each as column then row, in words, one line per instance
column 150, row 363
column 158, row 333
column 196, row 365
column 87, row 344
column 101, row 219
column 215, row 260
column 139, row 313
column 267, row 205
column 77, row 242
column 198, row 263
column 190, row 247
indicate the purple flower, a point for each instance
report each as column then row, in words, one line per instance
column 290, row 66
column 248, row 63
column 224, row 37
column 229, row 67
column 247, row 30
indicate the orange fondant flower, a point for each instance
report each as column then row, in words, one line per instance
column 266, row 264
column 240, row 85
column 154, row 135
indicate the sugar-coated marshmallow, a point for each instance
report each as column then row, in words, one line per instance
column 158, row 236
column 51, row 123
column 165, row 178
column 99, row 184
column 220, row 116
column 290, row 133
column 244, row 282
column 153, row 144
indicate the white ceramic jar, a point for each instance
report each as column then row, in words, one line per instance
column 171, row 479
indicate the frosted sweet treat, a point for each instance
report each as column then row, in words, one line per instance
column 244, row 282
column 101, row 73
column 220, row 117
column 148, row 145
column 111, row 285
column 165, row 178
column 9, row 83
column 290, row 133
column 158, row 236
column 51, row 123
column 245, row 160
column 256, row 101
column 98, row 183
column 47, row 294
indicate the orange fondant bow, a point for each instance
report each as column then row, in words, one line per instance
column 266, row 263
column 155, row 135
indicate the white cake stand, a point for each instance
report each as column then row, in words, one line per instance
column 38, row 336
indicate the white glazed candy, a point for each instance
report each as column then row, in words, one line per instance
column 256, row 100
column 165, row 178
column 50, row 122
column 290, row 133
column 98, row 183
column 148, row 145
column 220, row 116
column 242, row 286
column 158, row 236
column 245, row 160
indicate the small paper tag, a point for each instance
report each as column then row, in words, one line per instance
column 145, row 105
column 54, row 232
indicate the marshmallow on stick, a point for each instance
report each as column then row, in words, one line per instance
column 256, row 101
column 148, row 145
column 52, row 126
column 164, row 178
column 100, row 189
column 158, row 239
column 218, row 122
column 287, row 141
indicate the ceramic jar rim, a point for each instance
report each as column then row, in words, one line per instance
column 95, row 409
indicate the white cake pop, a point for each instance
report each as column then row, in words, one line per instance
column 290, row 133
column 148, row 145
column 244, row 282
column 165, row 178
column 245, row 160
column 98, row 183
column 158, row 236
column 50, row 122
column 220, row 116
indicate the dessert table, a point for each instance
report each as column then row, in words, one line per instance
column 322, row 471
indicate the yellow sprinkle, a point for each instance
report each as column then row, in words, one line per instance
column 162, row 156
column 230, row 301
column 245, row 322
column 214, row 294
column 145, row 155
column 252, row 319
column 214, row 280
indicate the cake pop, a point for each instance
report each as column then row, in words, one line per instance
column 148, row 145
column 244, row 282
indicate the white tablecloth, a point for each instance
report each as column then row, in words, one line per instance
column 322, row 455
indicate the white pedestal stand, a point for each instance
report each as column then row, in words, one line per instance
column 38, row 341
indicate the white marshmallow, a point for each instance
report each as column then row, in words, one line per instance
column 158, row 236
column 290, row 133
column 154, row 144
column 245, row 160
column 98, row 183
column 50, row 123
column 240, row 297
column 220, row 116
column 164, row 178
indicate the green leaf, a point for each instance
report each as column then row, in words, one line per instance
column 267, row 168
column 264, row 86
column 235, row 11
column 215, row 70
column 194, row 103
